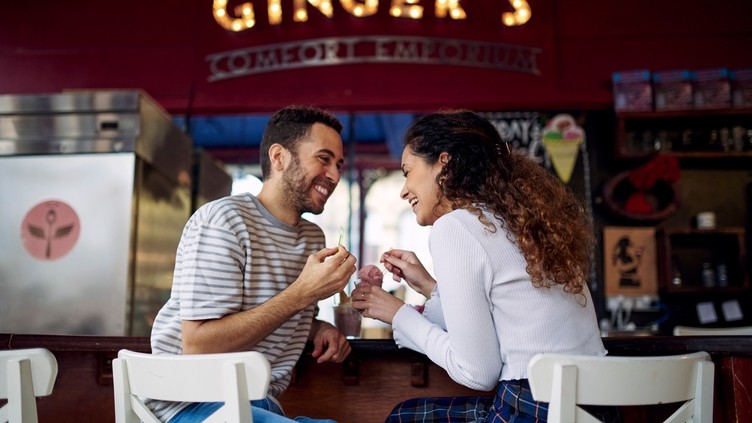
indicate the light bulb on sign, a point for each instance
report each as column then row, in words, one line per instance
column 452, row 7
column 246, row 19
column 520, row 16
column 367, row 8
column 275, row 12
column 406, row 8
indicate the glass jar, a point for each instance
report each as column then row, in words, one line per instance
column 708, row 275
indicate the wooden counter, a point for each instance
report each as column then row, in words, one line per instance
column 377, row 376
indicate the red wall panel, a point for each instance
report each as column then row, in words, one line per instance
column 162, row 46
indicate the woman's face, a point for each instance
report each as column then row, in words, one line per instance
column 420, row 188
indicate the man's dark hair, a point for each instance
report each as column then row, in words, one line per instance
column 288, row 126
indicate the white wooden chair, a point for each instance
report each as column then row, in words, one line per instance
column 566, row 381
column 24, row 375
column 232, row 378
column 695, row 331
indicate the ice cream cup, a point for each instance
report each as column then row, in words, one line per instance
column 347, row 320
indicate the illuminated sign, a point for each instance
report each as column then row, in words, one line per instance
column 243, row 17
column 371, row 49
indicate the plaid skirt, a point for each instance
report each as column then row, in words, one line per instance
column 513, row 403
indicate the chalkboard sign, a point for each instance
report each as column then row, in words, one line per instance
column 556, row 141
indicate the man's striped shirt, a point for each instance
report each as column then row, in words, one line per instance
column 233, row 256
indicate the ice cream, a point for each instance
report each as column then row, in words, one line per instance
column 371, row 274
column 562, row 138
column 346, row 318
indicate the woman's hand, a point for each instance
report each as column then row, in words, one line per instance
column 372, row 301
column 405, row 265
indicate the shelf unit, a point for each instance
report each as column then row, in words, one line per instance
column 690, row 248
column 687, row 134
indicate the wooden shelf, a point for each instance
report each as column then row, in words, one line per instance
column 713, row 155
column 689, row 113
column 688, row 249
column 690, row 135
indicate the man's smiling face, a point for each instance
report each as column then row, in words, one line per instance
column 314, row 170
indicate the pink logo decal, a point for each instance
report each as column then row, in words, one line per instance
column 50, row 230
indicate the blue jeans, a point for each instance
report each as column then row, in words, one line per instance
column 263, row 411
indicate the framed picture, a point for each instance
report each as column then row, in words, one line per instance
column 629, row 261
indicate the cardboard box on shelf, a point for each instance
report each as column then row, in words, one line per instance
column 632, row 91
column 673, row 90
column 741, row 87
column 712, row 88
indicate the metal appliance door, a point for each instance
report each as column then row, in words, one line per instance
column 65, row 225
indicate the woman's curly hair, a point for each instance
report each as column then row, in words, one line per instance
column 540, row 214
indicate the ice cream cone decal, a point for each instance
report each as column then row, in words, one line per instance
column 562, row 138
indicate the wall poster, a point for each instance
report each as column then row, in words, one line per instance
column 629, row 261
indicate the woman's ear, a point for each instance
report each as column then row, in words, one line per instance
column 444, row 158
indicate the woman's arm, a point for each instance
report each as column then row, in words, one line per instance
column 468, row 349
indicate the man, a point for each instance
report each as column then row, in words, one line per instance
column 249, row 270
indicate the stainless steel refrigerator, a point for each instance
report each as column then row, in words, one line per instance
column 95, row 188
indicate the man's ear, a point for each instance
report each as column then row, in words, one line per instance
column 279, row 157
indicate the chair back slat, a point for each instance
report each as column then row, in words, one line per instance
column 44, row 369
column 236, row 391
column 24, row 375
column 232, row 378
column 192, row 378
column 142, row 411
column 565, row 381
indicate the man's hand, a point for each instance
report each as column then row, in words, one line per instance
column 325, row 273
column 328, row 343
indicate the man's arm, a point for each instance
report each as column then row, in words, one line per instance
column 319, row 279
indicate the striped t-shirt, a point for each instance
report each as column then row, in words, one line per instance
column 233, row 256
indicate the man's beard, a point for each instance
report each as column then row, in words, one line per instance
column 297, row 189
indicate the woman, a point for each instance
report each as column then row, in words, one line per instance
column 510, row 247
column 626, row 259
